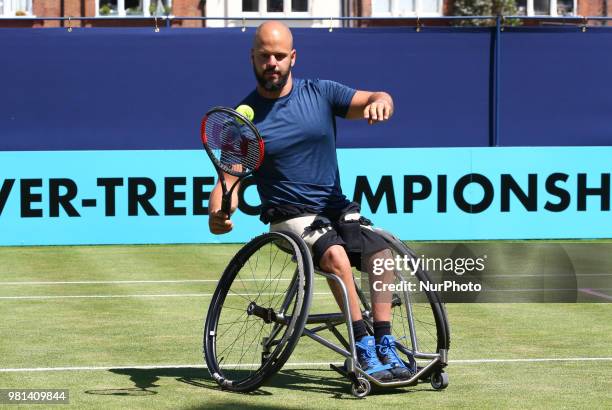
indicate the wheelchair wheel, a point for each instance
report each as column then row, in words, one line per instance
column 429, row 313
column 258, row 311
column 429, row 332
column 361, row 389
column 439, row 380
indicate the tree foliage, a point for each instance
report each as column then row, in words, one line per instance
column 484, row 8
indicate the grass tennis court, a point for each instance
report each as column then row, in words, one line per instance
column 121, row 326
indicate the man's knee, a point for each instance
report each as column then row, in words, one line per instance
column 336, row 261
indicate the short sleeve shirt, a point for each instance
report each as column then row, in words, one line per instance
column 300, row 167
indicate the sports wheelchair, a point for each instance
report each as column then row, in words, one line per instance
column 262, row 307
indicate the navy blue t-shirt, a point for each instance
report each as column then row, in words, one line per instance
column 300, row 166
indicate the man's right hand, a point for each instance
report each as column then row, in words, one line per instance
column 219, row 222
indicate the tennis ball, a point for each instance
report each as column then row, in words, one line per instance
column 246, row 111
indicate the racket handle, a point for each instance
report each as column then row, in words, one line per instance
column 226, row 204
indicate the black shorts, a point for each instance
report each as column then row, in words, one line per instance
column 346, row 228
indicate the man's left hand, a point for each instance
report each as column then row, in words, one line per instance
column 378, row 111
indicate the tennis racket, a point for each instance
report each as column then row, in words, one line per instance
column 234, row 147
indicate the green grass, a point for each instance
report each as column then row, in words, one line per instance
column 164, row 331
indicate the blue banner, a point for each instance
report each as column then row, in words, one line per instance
column 137, row 89
column 554, row 86
column 110, row 197
column 133, row 89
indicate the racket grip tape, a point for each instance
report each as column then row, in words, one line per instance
column 226, row 204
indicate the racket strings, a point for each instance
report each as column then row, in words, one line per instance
column 232, row 142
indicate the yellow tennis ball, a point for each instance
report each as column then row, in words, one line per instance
column 246, row 111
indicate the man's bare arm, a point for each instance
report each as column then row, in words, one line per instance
column 372, row 106
column 219, row 222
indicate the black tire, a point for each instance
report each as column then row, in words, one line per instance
column 439, row 380
column 429, row 314
column 233, row 333
column 362, row 388
column 438, row 309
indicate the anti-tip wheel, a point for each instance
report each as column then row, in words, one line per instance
column 439, row 380
column 361, row 388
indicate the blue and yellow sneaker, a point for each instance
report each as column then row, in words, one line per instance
column 368, row 359
column 388, row 355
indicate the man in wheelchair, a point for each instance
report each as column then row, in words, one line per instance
column 299, row 183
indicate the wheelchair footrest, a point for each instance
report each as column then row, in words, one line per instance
column 342, row 371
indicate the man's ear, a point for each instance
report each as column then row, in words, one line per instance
column 293, row 57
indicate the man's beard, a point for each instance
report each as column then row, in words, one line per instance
column 269, row 85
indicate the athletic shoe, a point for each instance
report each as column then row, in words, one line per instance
column 368, row 359
column 388, row 355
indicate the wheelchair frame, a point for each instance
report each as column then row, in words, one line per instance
column 360, row 380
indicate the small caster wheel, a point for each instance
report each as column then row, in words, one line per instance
column 439, row 380
column 361, row 388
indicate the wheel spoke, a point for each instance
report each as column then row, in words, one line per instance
column 259, row 268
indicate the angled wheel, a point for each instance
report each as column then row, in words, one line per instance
column 430, row 323
column 439, row 380
column 418, row 316
column 362, row 388
column 258, row 311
